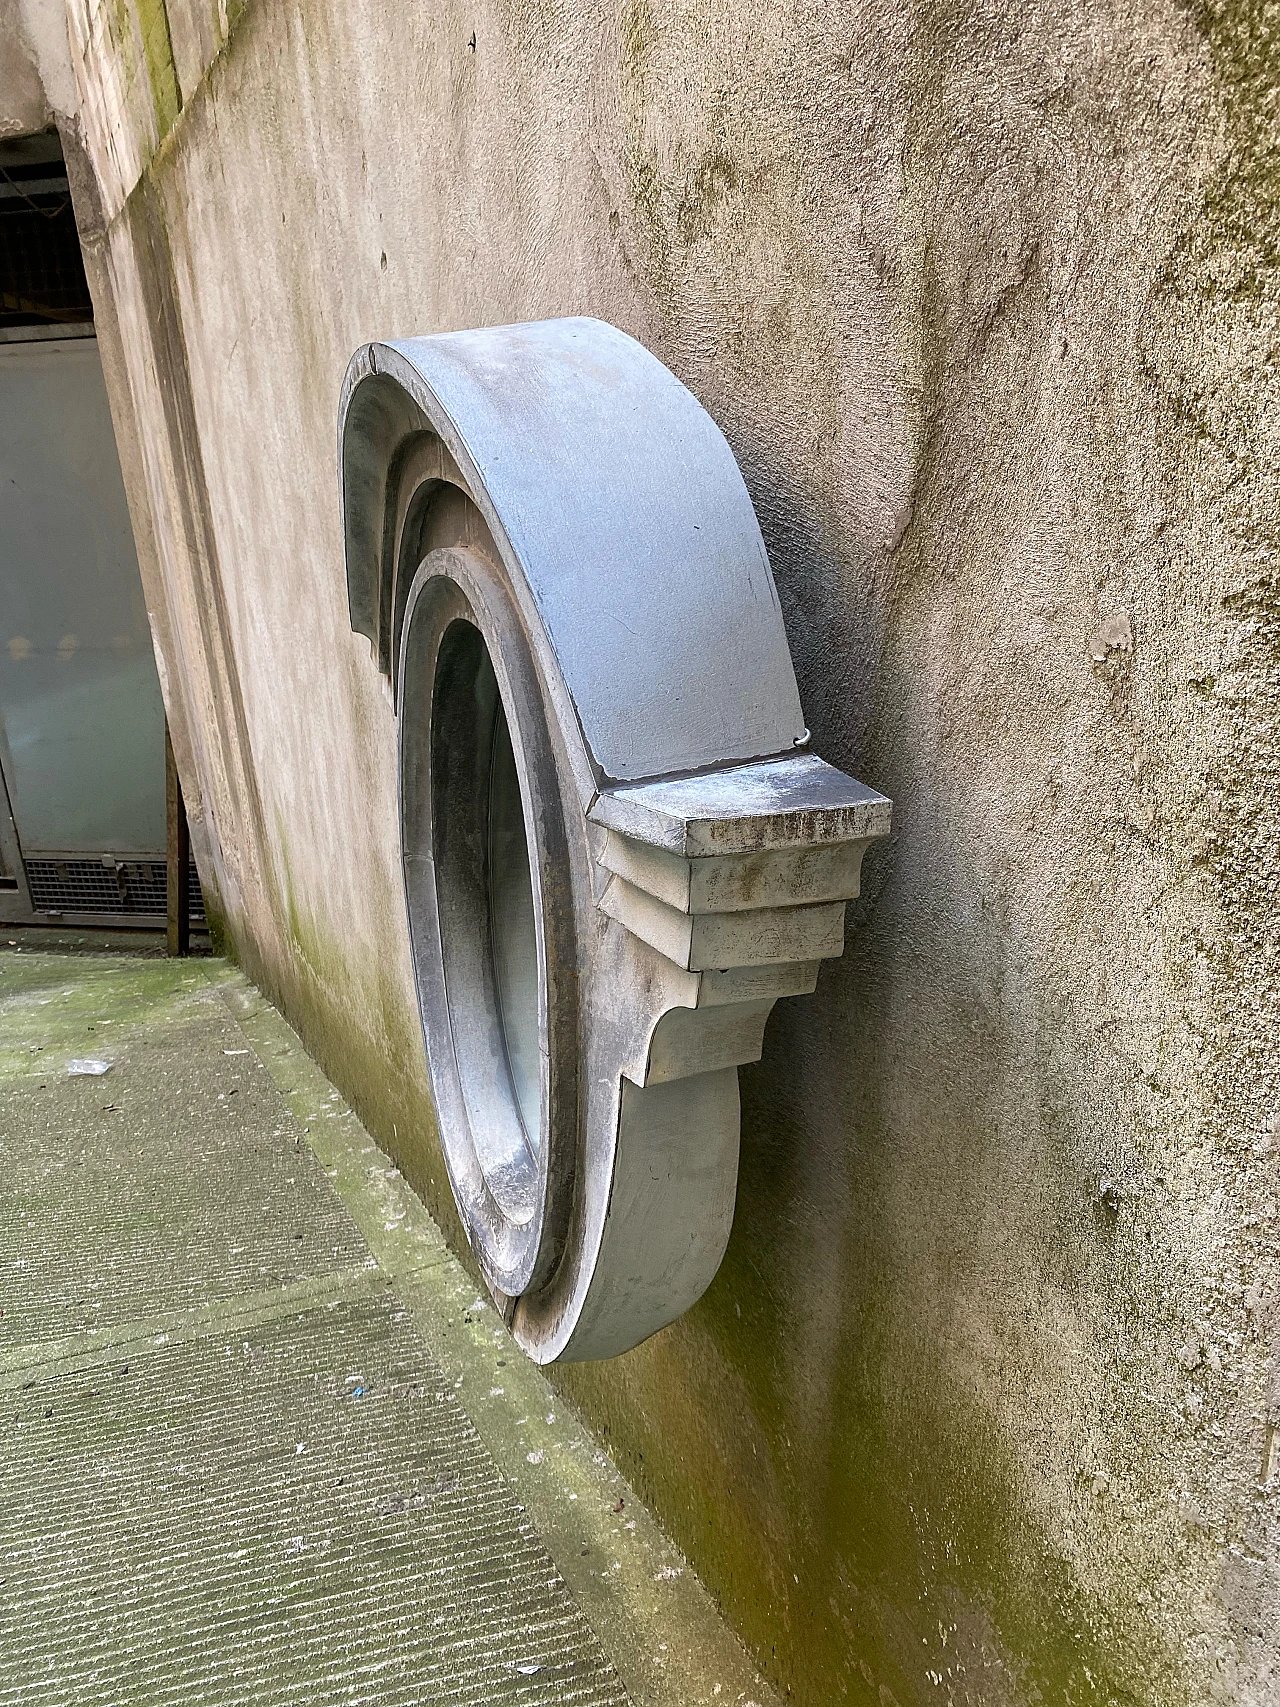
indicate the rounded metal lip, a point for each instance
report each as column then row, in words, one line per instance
column 468, row 726
column 513, row 923
column 465, row 663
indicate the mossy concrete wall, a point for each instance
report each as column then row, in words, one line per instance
column 982, row 1406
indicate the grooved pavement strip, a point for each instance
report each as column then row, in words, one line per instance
column 232, row 1469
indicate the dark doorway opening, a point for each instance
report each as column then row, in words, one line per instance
column 42, row 277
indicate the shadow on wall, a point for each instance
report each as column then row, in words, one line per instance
column 918, row 1251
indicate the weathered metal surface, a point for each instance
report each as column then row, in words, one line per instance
column 746, row 809
column 547, row 537
column 622, row 519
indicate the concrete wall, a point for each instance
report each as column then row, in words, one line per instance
column 982, row 1406
column 37, row 85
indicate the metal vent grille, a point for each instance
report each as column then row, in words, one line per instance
column 131, row 887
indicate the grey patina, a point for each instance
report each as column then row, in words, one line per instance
column 508, row 495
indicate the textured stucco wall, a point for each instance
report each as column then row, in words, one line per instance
column 36, row 81
column 984, row 295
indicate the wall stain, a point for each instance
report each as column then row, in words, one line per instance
column 153, row 23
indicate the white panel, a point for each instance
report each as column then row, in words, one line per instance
column 80, row 705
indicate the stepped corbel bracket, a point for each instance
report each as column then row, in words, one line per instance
column 739, row 880
column 617, row 853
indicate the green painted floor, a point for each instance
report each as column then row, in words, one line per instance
column 260, row 1441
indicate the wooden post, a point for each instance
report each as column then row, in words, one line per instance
column 178, row 849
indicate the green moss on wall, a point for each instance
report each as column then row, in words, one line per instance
column 864, row 1524
column 863, row 1520
column 153, row 24
column 352, row 1017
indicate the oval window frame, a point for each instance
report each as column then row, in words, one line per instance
column 514, row 1196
